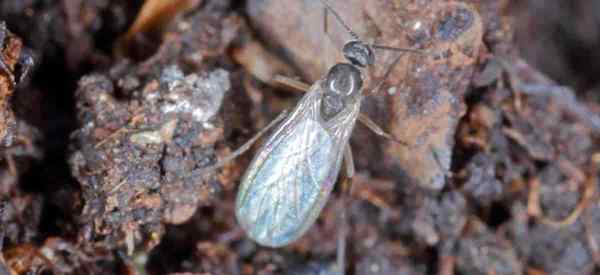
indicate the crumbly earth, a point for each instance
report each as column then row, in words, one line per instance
column 105, row 131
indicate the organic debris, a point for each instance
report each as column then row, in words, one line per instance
column 105, row 145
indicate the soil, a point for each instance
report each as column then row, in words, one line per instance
column 111, row 112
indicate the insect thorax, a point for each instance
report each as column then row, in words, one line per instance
column 341, row 87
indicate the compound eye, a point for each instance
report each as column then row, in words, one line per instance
column 358, row 53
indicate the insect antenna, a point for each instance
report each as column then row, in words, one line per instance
column 403, row 50
column 389, row 70
column 329, row 8
column 339, row 19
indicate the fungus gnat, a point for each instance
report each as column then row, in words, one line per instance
column 291, row 177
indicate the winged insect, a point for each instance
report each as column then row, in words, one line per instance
column 291, row 177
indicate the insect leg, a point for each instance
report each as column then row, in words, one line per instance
column 343, row 217
column 339, row 19
column 325, row 23
column 379, row 84
column 402, row 50
column 291, row 83
column 349, row 161
column 365, row 120
column 389, row 70
column 246, row 146
column 329, row 55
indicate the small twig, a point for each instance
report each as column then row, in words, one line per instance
column 542, row 86
column 534, row 209
column 374, row 199
column 591, row 240
column 362, row 189
column 111, row 137
column 116, row 188
column 121, row 130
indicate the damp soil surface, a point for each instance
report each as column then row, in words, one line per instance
column 111, row 112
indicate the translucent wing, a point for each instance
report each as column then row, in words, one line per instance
column 290, row 179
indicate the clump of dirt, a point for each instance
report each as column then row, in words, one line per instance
column 113, row 112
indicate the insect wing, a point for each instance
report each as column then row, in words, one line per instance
column 290, row 179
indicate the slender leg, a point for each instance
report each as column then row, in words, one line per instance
column 343, row 217
column 326, row 25
column 328, row 53
column 339, row 19
column 377, row 87
column 325, row 22
column 292, row 83
column 365, row 120
column 349, row 161
column 246, row 146
column 342, row 235
column 389, row 70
